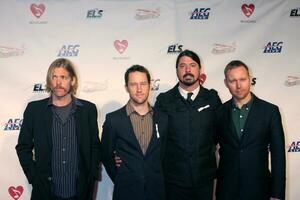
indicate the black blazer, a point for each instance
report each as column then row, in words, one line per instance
column 139, row 176
column 36, row 135
column 189, row 159
column 243, row 171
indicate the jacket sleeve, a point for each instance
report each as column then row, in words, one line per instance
column 25, row 145
column 107, row 148
column 95, row 144
column 277, row 147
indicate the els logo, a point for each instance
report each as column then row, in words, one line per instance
column 248, row 9
column 69, row 50
column 37, row 10
column 39, row 87
column 13, row 124
column 95, row 13
column 15, row 192
column 294, row 147
column 295, row 12
column 175, row 48
column 200, row 13
column 273, row 47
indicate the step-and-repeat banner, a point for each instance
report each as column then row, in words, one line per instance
column 105, row 37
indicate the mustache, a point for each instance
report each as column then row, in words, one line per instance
column 59, row 87
column 188, row 74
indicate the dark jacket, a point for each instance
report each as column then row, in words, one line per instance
column 243, row 171
column 36, row 135
column 189, row 158
column 139, row 176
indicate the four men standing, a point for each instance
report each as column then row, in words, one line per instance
column 150, row 153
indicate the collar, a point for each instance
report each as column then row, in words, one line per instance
column 130, row 109
column 76, row 101
column 246, row 105
column 184, row 93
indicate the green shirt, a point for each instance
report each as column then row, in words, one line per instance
column 239, row 116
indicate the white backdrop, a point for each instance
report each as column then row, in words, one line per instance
column 104, row 38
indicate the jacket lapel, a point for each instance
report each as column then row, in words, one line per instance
column 155, row 135
column 228, row 120
column 127, row 129
column 48, row 124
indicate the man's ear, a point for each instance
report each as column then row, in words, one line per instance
column 225, row 82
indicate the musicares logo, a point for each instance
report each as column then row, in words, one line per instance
column 121, row 46
column 248, row 9
column 37, row 10
column 15, row 192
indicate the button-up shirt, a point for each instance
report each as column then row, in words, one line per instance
column 239, row 116
column 142, row 126
column 65, row 156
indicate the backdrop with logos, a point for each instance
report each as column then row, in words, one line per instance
column 105, row 37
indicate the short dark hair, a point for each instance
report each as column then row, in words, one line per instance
column 190, row 54
column 235, row 64
column 137, row 68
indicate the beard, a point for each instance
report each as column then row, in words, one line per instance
column 188, row 81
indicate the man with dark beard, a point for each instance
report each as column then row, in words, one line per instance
column 189, row 161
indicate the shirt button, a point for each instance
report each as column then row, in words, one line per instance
column 64, row 162
column 247, row 108
column 242, row 130
column 241, row 116
column 63, row 149
column 49, row 178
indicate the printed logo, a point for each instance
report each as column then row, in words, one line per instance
column 175, row 48
column 121, row 46
column 38, row 88
column 292, row 81
column 223, row 48
column 202, row 78
column 95, row 13
column 295, row 12
column 6, row 52
column 248, row 9
column 273, row 47
column 69, row 50
column 13, row 124
column 294, row 147
column 155, row 84
column 143, row 14
column 253, row 81
column 37, row 10
column 200, row 13
column 89, row 86
column 15, row 192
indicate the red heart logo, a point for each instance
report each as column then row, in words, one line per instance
column 202, row 78
column 121, row 46
column 248, row 9
column 15, row 193
column 37, row 10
